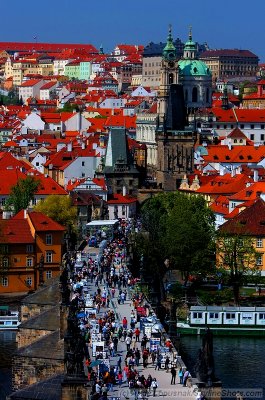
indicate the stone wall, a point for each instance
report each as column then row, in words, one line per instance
column 25, row 337
column 31, row 310
column 28, row 370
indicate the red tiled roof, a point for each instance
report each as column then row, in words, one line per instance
column 225, row 185
column 250, row 221
column 237, row 154
column 42, row 223
column 120, row 199
column 15, row 231
column 47, row 47
column 237, row 134
column 250, row 193
column 30, row 83
column 48, row 85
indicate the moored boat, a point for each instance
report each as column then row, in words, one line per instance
column 225, row 321
column 9, row 319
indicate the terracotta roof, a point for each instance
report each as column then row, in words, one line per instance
column 120, row 199
column 237, row 134
column 30, row 83
column 50, row 47
column 251, row 221
column 48, row 85
column 41, row 222
column 237, row 154
column 249, row 193
column 220, row 205
column 14, row 231
column 225, row 185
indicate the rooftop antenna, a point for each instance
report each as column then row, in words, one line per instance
column 36, row 39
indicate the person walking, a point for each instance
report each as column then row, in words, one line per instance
column 180, row 374
column 167, row 363
column 185, row 377
column 128, row 341
column 158, row 362
column 154, row 386
column 173, row 375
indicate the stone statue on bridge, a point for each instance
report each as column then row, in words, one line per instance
column 205, row 364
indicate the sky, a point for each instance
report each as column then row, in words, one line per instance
column 227, row 24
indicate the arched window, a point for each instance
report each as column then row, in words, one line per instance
column 170, row 79
column 194, row 95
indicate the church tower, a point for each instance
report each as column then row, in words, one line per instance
column 169, row 74
column 175, row 140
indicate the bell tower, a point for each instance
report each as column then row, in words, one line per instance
column 175, row 140
column 169, row 74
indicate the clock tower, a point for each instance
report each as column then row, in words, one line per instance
column 169, row 74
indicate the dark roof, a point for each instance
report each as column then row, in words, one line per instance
column 48, row 347
column 47, row 320
column 228, row 53
column 47, row 295
column 118, row 158
column 249, row 222
column 49, row 389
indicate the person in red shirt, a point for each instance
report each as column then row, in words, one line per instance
column 137, row 334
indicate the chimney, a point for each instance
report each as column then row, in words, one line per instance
column 83, row 145
column 124, row 190
column 25, row 214
column 256, row 175
column 69, row 146
column 229, row 144
column 233, row 173
column 221, row 171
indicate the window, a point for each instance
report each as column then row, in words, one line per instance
column 48, row 274
column 29, row 262
column 29, row 248
column 197, row 315
column 259, row 242
column 252, row 136
column 83, row 163
column 230, row 315
column 5, row 262
column 252, row 126
column 28, row 281
column 48, row 238
column 3, row 201
column 247, row 316
column 262, row 126
column 214, row 315
column 48, row 257
column 262, row 316
column 259, row 259
column 242, row 126
column 5, row 281
column 262, row 136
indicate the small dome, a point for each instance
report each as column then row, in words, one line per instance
column 190, row 67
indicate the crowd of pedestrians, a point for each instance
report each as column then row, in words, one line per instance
column 103, row 283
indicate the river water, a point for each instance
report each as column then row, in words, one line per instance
column 8, row 347
column 239, row 361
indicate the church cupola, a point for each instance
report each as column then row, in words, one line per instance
column 190, row 48
column 169, row 52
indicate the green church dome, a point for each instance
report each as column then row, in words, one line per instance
column 189, row 67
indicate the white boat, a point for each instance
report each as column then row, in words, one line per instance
column 249, row 321
column 9, row 319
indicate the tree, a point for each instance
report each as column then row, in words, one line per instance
column 181, row 230
column 236, row 257
column 60, row 209
column 22, row 194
